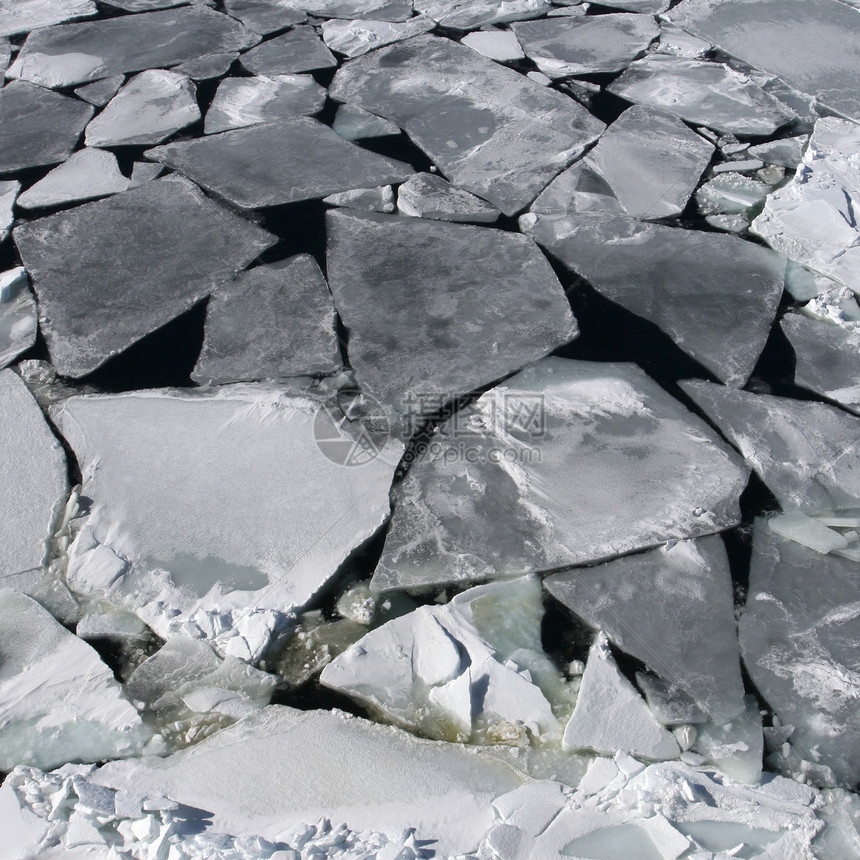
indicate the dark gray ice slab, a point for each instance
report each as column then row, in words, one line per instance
column 272, row 322
column 208, row 67
column 377, row 10
column 715, row 295
column 354, row 38
column 672, row 608
column 264, row 16
column 298, row 50
column 798, row 636
column 240, row 102
column 99, row 93
column 21, row 16
column 109, row 272
column 561, row 47
column 813, row 45
column 502, row 137
column 279, row 162
column 828, row 358
column 18, row 324
column 807, row 453
column 709, row 94
column 651, row 161
column 568, row 462
column 38, row 127
column 76, row 53
column 353, row 123
column 435, row 310
column 472, row 14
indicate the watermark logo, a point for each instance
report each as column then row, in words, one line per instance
column 352, row 436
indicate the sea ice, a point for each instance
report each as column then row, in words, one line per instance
column 568, row 462
column 730, row 193
column 435, row 310
column 127, row 281
column 651, row 161
column 703, row 93
column 71, row 54
column 297, row 50
column 378, row 10
column 34, row 487
column 240, row 102
column 210, row 459
column 265, row 16
column 499, row 45
column 21, row 16
column 38, row 127
column 807, row 453
column 8, row 194
column 787, row 152
column 798, row 635
column 828, row 358
column 354, row 38
column 353, row 123
column 471, row 14
column 428, row 195
column 207, row 67
column 273, row 321
column 380, row 199
column 812, row 45
column 148, row 109
column 144, row 171
column 735, row 747
column 668, row 702
column 18, row 326
column 812, row 219
column 88, row 173
column 503, row 137
column 99, row 93
column 586, row 45
column 58, row 701
column 671, row 608
column 279, row 162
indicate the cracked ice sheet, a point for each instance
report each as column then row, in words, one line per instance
column 21, row 16
column 813, row 219
column 502, row 137
column 812, row 45
column 76, row 53
column 288, row 766
column 798, row 635
column 235, row 515
column 567, row 462
column 136, row 260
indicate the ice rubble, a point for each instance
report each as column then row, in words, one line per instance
column 240, row 102
column 18, row 324
column 278, row 162
column 273, row 321
column 661, row 607
column 812, row 219
column 354, row 38
column 297, row 50
column 58, row 701
column 128, row 282
column 427, row 195
column 611, row 464
column 468, row 305
column 561, row 47
column 502, row 137
column 38, row 127
column 21, row 16
column 210, row 459
column 148, row 109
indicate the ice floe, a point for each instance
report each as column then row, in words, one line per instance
column 427, row 195
column 297, row 50
column 21, row 16
column 353, row 123
column 354, row 38
column 500, row 45
column 265, row 16
column 471, row 14
column 8, row 194
column 18, row 325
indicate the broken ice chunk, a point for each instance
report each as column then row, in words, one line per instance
column 807, row 531
column 811, row 44
column 499, row 45
column 88, row 173
column 378, row 10
column 798, row 635
column 567, row 462
column 240, row 102
column 611, row 716
column 730, row 193
column 704, row 93
column 279, row 162
column 144, row 171
column 207, row 67
column 34, row 486
column 656, row 605
column 805, row 452
column 297, row 50
column 353, row 123
column 354, row 38
column 21, row 16
column 123, row 288
column 651, row 161
column 8, row 194
column 149, row 108
column 435, row 310
column 502, row 138
column 364, row 199
column 787, row 152
column 427, row 195
column 812, row 219
column 38, row 127
column 668, row 702
column 99, row 93
column 271, row 322
column 828, row 358
column 471, row 14
column 264, row 16
column 586, row 45
column 149, row 5
column 58, row 701
column 735, row 747
column 71, row 54
column 18, row 325
column 244, row 565
column 646, row 6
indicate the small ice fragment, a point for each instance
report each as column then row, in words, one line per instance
column 99, row 93
column 207, row 67
column 731, row 193
column 353, row 123
column 807, row 531
column 736, row 747
column 354, row 38
column 380, row 199
column 499, row 45
column 427, row 195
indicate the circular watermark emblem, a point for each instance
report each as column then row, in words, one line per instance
column 352, row 435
